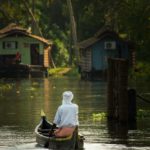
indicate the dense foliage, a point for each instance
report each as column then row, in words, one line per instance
column 128, row 17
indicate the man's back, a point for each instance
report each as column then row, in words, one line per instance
column 68, row 115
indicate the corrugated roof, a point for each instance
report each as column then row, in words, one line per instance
column 13, row 28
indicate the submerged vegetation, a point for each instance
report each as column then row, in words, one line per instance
column 99, row 116
column 141, row 114
column 5, row 87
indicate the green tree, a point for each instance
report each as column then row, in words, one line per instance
column 131, row 17
column 135, row 22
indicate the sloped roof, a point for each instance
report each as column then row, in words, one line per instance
column 13, row 28
column 105, row 29
column 87, row 43
column 103, row 32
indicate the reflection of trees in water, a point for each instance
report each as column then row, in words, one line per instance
column 118, row 131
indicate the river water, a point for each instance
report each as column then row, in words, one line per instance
column 21, row 101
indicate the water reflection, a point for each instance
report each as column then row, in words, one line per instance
column 20, row 113
column 118, row 131
column 34, row 146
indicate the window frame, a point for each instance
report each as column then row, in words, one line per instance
column 10, row 45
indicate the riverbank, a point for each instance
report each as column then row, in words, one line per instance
column 64, row 71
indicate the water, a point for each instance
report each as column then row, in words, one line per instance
column 22, row 100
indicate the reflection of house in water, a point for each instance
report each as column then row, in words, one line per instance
column 95, row 51
column 49, row 98
column 47, row 94
column 34, row 50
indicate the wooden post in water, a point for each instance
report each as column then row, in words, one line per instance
column 110, row 93
column 117, row 99
column 132, row 109
column 132, row 105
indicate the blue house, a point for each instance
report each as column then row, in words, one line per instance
column 95, row 51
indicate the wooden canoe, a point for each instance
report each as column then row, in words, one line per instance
column 42, row 130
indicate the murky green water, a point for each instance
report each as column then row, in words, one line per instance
column 22, row 100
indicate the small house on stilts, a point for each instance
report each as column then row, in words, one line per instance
column 23, row 51
column 95, row 51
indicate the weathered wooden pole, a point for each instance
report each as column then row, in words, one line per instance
column 132, row 108
column 122, row 90
column 110, row 93
column 132, row 104
column 117, row 100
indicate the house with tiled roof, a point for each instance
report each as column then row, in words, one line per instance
column 33, row 49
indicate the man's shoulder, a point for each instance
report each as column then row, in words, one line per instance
column 75, row 105
column 66, row 105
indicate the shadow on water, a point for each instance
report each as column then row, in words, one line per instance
column 21, row 102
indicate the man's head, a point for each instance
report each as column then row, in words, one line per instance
column 67, row 97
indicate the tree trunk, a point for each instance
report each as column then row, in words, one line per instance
column 34, row 22
column 73, row 30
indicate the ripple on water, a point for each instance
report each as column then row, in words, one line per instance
column 88, row 146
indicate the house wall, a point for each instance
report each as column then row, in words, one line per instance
column 23, row 47
column 100, row 54
column 95, row 57
column 124, row 51
column 86, row 60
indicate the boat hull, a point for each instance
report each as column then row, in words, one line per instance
column 68, row 143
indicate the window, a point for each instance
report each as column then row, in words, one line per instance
column 10, row 45
column 110, row 45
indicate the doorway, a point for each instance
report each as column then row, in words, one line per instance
column 35, row 55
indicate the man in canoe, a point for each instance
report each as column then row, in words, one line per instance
column 66, row 118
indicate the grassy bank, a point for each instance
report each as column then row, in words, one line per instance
column 71, row 72
column 141, row 71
